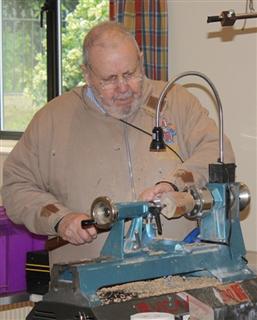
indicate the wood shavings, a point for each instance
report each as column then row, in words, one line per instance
column 150, row 288
column 115, row 296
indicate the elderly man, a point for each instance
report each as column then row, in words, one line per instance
column 93, row 141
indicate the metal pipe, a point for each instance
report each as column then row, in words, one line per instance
column 229, row 17
column 219, row 105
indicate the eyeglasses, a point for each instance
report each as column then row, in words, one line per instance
column 115, row 80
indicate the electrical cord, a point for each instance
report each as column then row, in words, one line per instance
column 132, row 183
column 149, row 134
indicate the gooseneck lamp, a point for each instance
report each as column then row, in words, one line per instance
column 219, row 172
column 158, row 143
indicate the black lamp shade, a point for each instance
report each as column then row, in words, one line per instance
column 157, row 143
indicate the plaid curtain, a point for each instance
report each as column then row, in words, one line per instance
column 147, row 20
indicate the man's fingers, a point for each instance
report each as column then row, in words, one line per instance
column 155, row 192
column 92, row 231
column 79, row 236
column 87, row 234
column 70, row 229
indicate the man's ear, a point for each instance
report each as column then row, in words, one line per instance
column 141, row 58
column 85, row 72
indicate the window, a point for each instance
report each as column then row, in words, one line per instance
column 21, row 43
column 39, row 63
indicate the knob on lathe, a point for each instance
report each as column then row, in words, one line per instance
column 103, row 212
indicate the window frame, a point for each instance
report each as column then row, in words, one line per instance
column 52, row 9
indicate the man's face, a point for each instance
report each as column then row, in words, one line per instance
column 115, row 75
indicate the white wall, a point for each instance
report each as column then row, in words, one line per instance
column 228, row 56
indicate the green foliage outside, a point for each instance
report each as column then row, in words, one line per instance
column 24, row 53
column 22, row 38
column 75, row 25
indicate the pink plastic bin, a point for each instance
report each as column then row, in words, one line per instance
column 15, row 242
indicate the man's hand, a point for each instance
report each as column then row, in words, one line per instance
column 155, row 192
column 69, row 229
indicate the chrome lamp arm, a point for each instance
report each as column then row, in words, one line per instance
column 157, row 143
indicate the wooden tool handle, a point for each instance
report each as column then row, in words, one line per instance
column 55, row 243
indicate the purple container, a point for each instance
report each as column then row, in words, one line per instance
column 15, row 242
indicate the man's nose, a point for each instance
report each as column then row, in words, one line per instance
column 122, row 83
